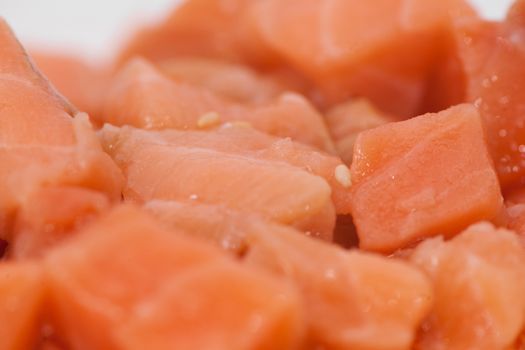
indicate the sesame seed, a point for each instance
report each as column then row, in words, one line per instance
column 208, row 120
column 342, row 175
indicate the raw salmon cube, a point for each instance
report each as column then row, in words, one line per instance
column 352, row 300
column 160, row 170
column 422, row 177
column 110, row 288
column 479, row 285
column 245, row 312
column 492, row 56
column 42, row 144
column 246, row 142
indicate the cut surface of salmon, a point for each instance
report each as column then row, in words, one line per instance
column 103, row 291
column 27, row 105
column 345, row 121
column 493, row 55
column 352, row 300
column 246, row 142
column 234, row 81
column 242, row 317
column 83, row 84
column 426, row 176
column 224, row 227
column 141, row 96
column 278, row 191
column 336, row 46
column 21, row 305
column 232, row 180
column 478, row 280
column 52, row 214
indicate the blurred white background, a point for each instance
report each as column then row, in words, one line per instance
column 93, row 28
